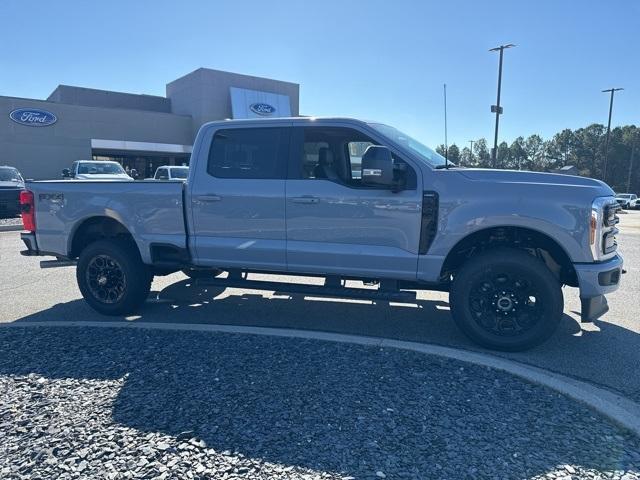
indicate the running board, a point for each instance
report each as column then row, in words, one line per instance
column 402, row 296
column 57, row 263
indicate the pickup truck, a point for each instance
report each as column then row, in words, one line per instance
column 341, row 199
column 96, row 170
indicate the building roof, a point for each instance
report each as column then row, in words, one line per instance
column 92, row 97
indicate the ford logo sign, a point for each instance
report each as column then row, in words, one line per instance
column 262, row 108
column 33, row 117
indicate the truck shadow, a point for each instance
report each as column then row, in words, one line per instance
column 570, row 350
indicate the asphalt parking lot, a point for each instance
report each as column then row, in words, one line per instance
column 606, row 353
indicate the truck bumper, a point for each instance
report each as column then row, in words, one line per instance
column 595, row 280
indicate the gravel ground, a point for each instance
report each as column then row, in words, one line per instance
column 10, row 221
column 125, row 403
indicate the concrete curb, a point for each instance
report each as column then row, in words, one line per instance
column 621, row 410
column 11, row 228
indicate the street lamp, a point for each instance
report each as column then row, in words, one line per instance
column 497, row 109
column 606, row 143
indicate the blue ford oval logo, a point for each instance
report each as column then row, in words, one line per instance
column 262, row 108
column 33, row 117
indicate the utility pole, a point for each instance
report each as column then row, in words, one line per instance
column 497, row 109
column 606, row 143
column 471, row 151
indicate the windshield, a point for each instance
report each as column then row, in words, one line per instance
column 624, row 195
column 179, row 173
column 9, row 175
column 422, row 151
column 99, row 168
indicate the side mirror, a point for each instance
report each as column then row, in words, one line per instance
column 66, row 173
column 377, row 166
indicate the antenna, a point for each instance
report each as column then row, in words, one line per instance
column 446, row 145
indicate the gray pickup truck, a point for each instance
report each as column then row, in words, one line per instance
column 343, row 200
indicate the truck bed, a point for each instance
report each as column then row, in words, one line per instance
column 153, row 212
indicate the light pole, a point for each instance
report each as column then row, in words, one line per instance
column 497, row 109
column 446, row 145
column 606, row 143
column 471, row 151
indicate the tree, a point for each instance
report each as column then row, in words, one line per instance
column 582, row 148
column 518, row 153
column 454, row 154
column 466, row 157
column 483, row 158
column 534, row 148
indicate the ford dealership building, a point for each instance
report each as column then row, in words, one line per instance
column 41, row 137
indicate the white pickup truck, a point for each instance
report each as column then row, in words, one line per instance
column 344, row 200
column 96, row 170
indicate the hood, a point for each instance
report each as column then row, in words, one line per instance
column 533, row 178
column 103, row 176
column 11, row 184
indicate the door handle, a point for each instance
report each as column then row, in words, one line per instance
column 209, row 198
column 306, row 199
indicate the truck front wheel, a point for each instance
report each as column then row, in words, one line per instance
column 112, row 277
column 506, row 299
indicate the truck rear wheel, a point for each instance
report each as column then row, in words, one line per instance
column 112, row 277
column 506, row 299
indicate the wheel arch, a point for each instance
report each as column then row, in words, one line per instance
column 533, row 241
column 96, row 228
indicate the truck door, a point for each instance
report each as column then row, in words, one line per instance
column 238, row 198
column 337, row 225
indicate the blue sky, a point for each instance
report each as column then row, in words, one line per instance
column 383, row 60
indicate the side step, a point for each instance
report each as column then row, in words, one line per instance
column 313, row 290
column 58, row 263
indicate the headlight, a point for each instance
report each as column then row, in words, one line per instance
column 602, row 231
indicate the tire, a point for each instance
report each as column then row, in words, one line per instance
column 195, row 273
column 505, row 299
column 117, row 263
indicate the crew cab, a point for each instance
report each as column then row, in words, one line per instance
column 96, row 170
column 341, row 199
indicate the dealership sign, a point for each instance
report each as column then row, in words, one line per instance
column 33, row 117
column 262, row 108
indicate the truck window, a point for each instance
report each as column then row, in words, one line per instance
column 335, row 154
column 159, row 173
column 249, row 153
column 326, row 153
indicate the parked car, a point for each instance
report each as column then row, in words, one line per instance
column 11, row 184
column 95, row 170
column 627, row 200
column 171, row 173
column 502, row 243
